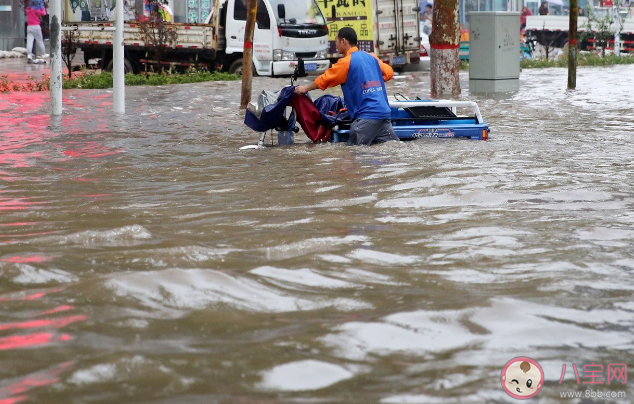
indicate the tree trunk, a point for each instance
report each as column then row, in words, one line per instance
column 247, row 58
column 445, row 45
column 572, row 45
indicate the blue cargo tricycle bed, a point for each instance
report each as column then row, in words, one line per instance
column 415, row 119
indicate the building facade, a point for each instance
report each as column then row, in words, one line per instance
column 12, row 24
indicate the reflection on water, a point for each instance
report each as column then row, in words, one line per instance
column 33, row 333
column 145, row 258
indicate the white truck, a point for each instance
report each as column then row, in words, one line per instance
column 552, row 30
column 387, row 28
column 285, row 31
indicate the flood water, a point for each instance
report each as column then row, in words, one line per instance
column 146, row 259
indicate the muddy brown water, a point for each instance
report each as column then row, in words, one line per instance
column 146, row 259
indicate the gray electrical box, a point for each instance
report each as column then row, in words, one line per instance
column 494, row 51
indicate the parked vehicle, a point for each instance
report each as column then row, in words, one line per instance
column 595, row 40
column 285, row 31
column 552, row 30
column 387, row 28
column 425, row 48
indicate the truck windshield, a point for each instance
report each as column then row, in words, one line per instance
column 299, row 12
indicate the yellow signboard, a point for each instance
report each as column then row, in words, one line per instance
column 350, row 13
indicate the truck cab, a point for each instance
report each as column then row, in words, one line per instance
column 285, row 31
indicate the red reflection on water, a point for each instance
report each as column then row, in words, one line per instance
column 91, row 150
column 38, row 379
column 16, row 203
column 37, row 295
column 58, row 310
column 22, row 125
column 17, row 139
column 18, row 224
column 18, row 259
column 54, row 322
column 9, row 240
column 26, row 133
column 13, row 400
column 31, row 340
column 23, row 101
column 27, row 384
column 9, row 177
column 34, row 296
column 16, row 390
column 18, row 160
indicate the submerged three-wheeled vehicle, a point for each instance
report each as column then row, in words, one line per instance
column 326, row 119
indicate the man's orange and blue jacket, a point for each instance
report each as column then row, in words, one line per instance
column 362, row 78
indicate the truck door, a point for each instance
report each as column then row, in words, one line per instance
column 397, row 28
column 236, row 26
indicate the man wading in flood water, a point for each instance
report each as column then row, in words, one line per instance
column 362, row 78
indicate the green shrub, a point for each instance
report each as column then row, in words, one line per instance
column 102, row 80
column 583, row 59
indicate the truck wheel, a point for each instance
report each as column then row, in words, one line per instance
column 127, row 67
column 237, row 66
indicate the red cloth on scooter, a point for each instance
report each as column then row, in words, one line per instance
column 309, row 119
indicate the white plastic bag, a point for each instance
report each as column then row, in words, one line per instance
column 265, row 98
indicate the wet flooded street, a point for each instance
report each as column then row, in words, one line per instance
column 146, row 259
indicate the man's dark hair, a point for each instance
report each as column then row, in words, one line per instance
column 348, row 34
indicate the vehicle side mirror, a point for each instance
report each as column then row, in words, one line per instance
column 281, row 12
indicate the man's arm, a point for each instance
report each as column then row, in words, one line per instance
column 334, row 76
column 305, row 89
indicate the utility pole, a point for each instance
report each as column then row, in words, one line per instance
column 445, row 45
column 55, row 11
column 247, row 59
column 572, row 45
column 118, row 72
column 617, row 28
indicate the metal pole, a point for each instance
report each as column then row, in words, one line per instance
column 572, row 44
column 56, row 56
column 617, row 30
column 118, row 73
column 247, row 58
